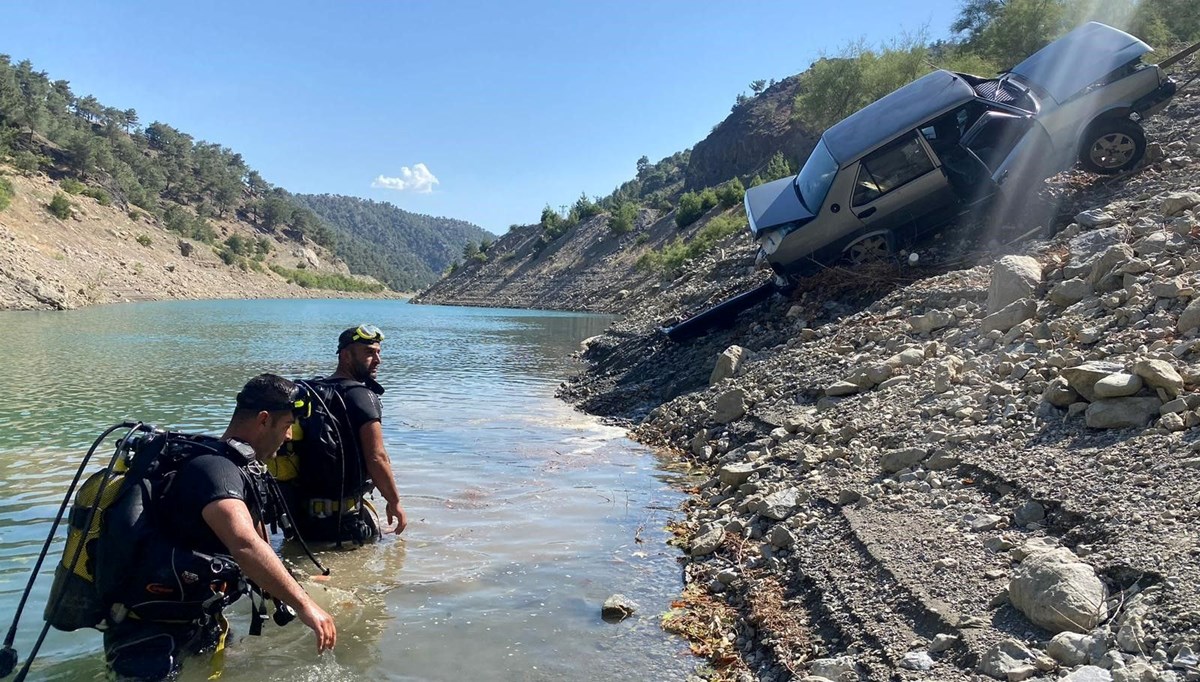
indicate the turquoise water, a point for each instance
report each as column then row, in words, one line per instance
column 524, row 515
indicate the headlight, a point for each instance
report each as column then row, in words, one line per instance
column 771, row 241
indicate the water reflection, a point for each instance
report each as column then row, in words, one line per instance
column 524, row 516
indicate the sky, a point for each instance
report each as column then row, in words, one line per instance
column 481, row 111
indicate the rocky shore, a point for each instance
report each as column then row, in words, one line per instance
column 983, row 467
column 101, row 254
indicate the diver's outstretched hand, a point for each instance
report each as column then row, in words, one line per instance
column 322, row 625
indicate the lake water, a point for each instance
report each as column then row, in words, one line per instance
column 524, row 515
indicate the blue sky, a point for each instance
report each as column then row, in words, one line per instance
column 509, row 106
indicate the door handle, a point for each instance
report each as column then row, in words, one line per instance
column 867, row 213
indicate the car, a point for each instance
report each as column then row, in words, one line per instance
column 947, row 142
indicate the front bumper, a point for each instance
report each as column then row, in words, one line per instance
column 1152, row 103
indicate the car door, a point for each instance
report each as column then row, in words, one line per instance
column 897, row 185
column 1013, row 146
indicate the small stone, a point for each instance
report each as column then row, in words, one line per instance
column 1159, row 374
column 618, row 607
column 897, row 460
column 942, row 642
column 917, row 660
column 842, row 388
column 1029, row 512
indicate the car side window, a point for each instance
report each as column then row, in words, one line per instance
column 890, row 167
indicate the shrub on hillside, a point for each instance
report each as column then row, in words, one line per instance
column 60, row 206
column 730, row 194
column 692, row 206
column 670, row 260
column 27, row 162
column 622, row 218
column 99, row 195
column 320, row 280
column 144, row 240
column 6, row 193
column 72, row 186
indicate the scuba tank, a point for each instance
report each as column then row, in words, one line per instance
column 70, row 587
column 112, row 548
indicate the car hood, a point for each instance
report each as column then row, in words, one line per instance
column 774, row 204
column 1078, row 59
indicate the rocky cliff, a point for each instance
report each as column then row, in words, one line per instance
column 743, row 144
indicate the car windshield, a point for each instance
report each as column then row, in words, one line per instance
column 814, row 180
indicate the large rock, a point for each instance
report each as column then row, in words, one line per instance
column 730, row 406
column 1007, row 656
column 1073, row 648
column 1119, row 385
column 1159, row 374
column 1189, row 319
column 1009, row 316
column 1060, row 394
column 1083, row 378
column 832, row 668
column 728, row 363
column 897, row 460
column 736, row 474
column 1177, row 202
column 1013, row 278
column 1121, row 413
column 931, row 321
column 1087, row 247
column 1070, row 292
column 781, row 505
column 707, row 541
column 1057, row 591
column 1115, row 255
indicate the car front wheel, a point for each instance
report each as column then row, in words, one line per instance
column 1112, row 145
column 870, row 249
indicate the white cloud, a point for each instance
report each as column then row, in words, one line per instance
column 417, row 179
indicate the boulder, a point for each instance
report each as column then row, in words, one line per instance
column 1082, row 378
column 728, row 363
column 1088, row 673
column 1189, row 319
column 1057, row 591
column 185, row 248
column 897, row 460
column 1159, row 374
column 1070, row 292
column 1096, row 217
column 1121, row 413
column 735, row 474
column 1007, row 656
column 1087, row 247
column 832, row 668
column 1176, row 203
column 1073, row 648
column 1059, row 393
column 1112, row 257
column 1009, row 316
column 708, row 541
column 1118, row 385
column 931, row 321
column 1013, row 278
column 729, row 406
column 782, row 504
column 842, row 388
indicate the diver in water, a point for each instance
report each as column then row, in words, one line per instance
column 216, row 505
column 339, row 454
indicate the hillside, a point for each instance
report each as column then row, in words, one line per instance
column 101, row 254
column 914, row 472
column 406, row 251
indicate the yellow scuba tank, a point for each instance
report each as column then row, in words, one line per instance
column 74, row 600
column 285, row 465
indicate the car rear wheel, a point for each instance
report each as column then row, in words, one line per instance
column 1112, row 145
column 870, row 249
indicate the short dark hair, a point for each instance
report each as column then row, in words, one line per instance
column 269, row 392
